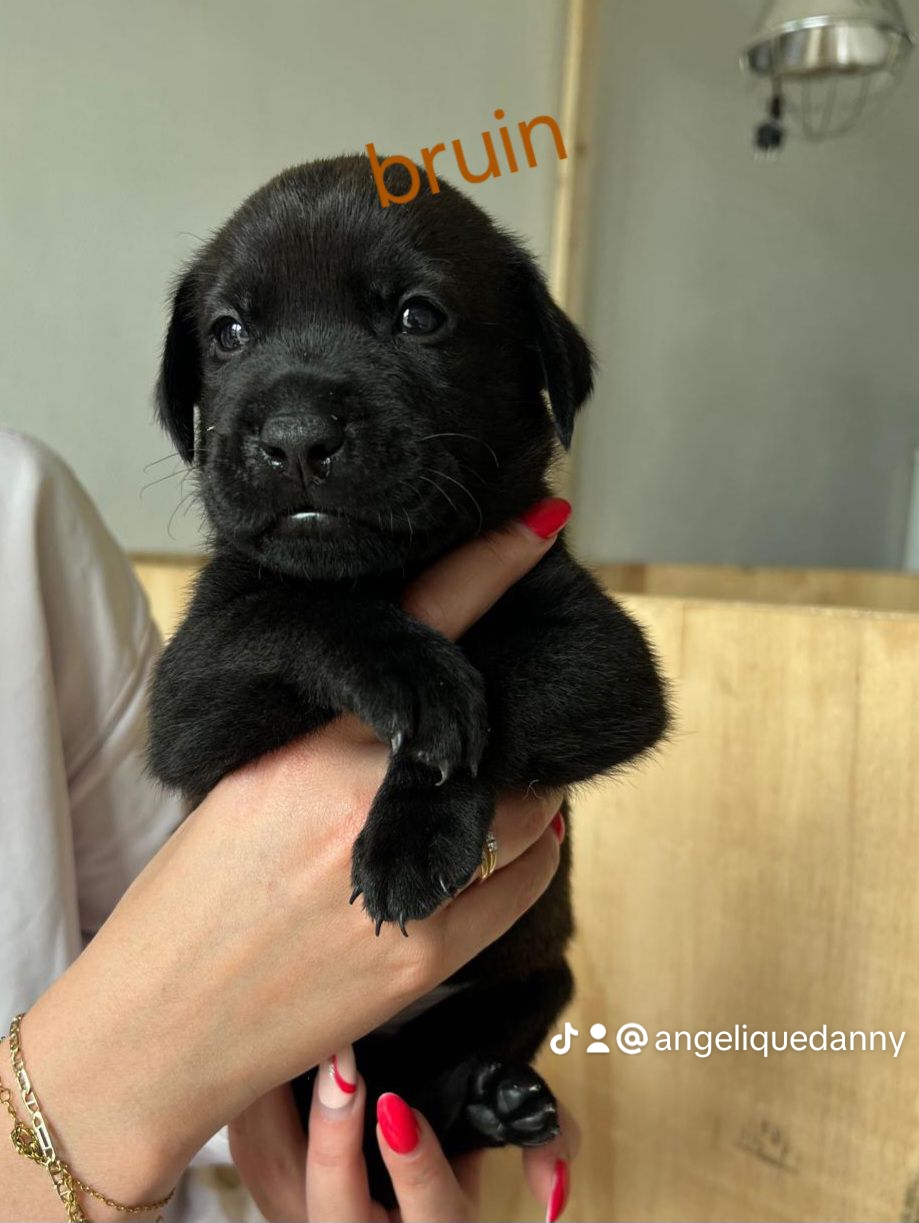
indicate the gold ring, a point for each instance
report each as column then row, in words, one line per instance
column 489, row 857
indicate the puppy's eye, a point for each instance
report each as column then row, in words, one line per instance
column 418, row 316
column 230, row 334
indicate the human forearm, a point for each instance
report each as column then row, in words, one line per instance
column 95, row 1106
column 123, row 1082
column 129, row 1051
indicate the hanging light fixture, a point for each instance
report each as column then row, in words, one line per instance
column 828, row 62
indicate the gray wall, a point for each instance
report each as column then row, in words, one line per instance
column 757, row 321
column 128, row 131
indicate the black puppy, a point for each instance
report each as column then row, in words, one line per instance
column 370, row 386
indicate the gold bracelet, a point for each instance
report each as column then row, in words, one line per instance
column 39, row 1147
column 26, row 1143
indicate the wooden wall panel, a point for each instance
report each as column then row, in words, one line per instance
column 812, row 587
column 760, row 869
column 168, row 585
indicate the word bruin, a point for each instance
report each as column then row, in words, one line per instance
column 493, row 169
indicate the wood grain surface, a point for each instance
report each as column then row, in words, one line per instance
column 875, row 588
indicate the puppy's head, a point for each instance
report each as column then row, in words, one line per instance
column 369, row 381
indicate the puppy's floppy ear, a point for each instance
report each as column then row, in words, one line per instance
column 565, row 363
column 179, row 383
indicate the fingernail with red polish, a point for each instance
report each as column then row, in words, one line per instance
column 397, row 1121
column 338, row 1079
column 558, row 1195
column 558, row 826
column 546, row 518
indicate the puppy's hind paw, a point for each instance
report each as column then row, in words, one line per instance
column 509, row 1103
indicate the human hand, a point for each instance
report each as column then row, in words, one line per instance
column 294, row 1179
column 232, row 964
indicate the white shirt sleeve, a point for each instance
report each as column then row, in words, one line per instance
column 79, row 812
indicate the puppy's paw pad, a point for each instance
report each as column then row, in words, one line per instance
column 510, row 1103
column 419, row 845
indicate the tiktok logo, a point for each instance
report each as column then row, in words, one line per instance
column 561, row 1042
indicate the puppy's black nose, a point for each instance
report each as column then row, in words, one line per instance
column 302, row 445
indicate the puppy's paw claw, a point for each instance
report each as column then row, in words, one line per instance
column 444, row 771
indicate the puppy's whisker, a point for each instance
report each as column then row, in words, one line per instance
column 190, row 500
column 411, row 529
column 462, row 486
column 187, row 499
column 188, row 473
column 174, row 455
column 412, row 494
column 468, row 437
column 472, row 471
column 451, row 503
column 171, row 475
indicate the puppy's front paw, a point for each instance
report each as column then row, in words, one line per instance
column 428, row 701
column 511, row 1104
column 419, row 845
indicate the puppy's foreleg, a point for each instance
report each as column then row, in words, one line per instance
column 246, row 673
column 573, row 687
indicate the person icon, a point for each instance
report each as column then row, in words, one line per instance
column 597, row 1045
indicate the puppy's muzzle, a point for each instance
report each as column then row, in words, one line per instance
column 302, row 446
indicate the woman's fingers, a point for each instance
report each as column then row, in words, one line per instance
column 336, row 1175
column 481, row 914
column 468, row 1170
column 269, row 1149
column 522, row 818
column 548, row 1168
column 459, row 589
column 425, row 1184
